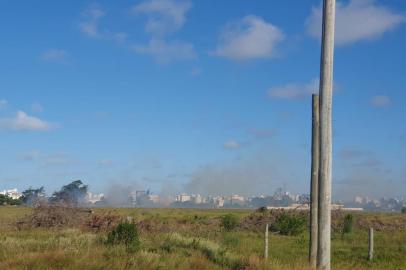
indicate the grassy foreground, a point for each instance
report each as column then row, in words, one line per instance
column 187, row 239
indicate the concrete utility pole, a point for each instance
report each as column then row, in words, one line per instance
column 266, row 241
column 371, row 244
column 314, row 181
column 326, row 94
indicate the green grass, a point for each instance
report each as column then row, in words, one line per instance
column 189, row 239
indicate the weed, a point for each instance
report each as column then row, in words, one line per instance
column 348, row 224
column 125, row 234
column 289, row 224
column 229, row 222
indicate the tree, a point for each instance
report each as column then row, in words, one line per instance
column 32, row 196
column 71, row 194
column 7, row 200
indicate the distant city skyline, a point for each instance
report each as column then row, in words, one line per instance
column 172, row 96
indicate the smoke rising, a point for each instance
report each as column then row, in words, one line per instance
column 245, row 177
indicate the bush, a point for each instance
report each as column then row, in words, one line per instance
column 229, row 222
column 403, row 210
column 348, row 223
column 125, row 234
column 262, row 209
column 289, row 224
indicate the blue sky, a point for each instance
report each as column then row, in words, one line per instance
column 198, row 96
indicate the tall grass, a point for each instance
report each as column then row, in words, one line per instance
column 190, row 239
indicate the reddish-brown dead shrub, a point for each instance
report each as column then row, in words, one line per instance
column 55, row 216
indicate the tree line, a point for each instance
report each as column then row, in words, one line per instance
column 72, row 194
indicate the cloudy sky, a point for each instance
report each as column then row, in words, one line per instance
column 197, row 95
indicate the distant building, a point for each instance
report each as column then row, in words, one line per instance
column 154, row 198
column 197, row 199
column 358, row 199
column 12, row 193
column 236, row 200
column 94, row 198
column 218, row 201
column 183, row 198
column 140, row 194
column 142, row 197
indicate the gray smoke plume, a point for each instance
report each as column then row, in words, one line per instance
column 253, row 176
column 119, row 194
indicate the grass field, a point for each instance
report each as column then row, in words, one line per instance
column 189, row 239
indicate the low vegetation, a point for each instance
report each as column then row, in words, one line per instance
column 289, row 224
column 229, row 222
column 125, row 233
column 186, row 239
column 348, row 224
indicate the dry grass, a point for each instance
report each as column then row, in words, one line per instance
column 189, row 239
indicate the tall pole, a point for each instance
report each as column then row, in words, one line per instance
column 266, row 241
column 314, row 181
column 371, row 244
column 326, row 93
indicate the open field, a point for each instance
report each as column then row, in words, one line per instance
column 192, row 239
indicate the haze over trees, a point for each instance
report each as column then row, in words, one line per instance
column 32, row 195
column 71, row 194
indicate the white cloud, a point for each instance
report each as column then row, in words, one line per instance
column 3, row 104
column 24, row 122
column 251, row 38
column 164, row 16
column 58, row 159
column 120, row 37
column 90, row 25
column 165, row 52
column 351, row 153
column 356, row 20
column 232, row 145
column 36, row 107
column 106, row 162
column 31, row 155
column 263, row 133
column 380, row 101
column 55, row 55
column 196, row 71
column 294, row 90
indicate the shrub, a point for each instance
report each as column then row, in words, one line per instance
column 403, row 210
column 348, row 223
column 125, row 234
column 289, row 224
column 229, row 222
column 262, row 209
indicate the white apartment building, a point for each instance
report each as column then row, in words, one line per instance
column 93, row 198
column 12, row 193
column 183, row 197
